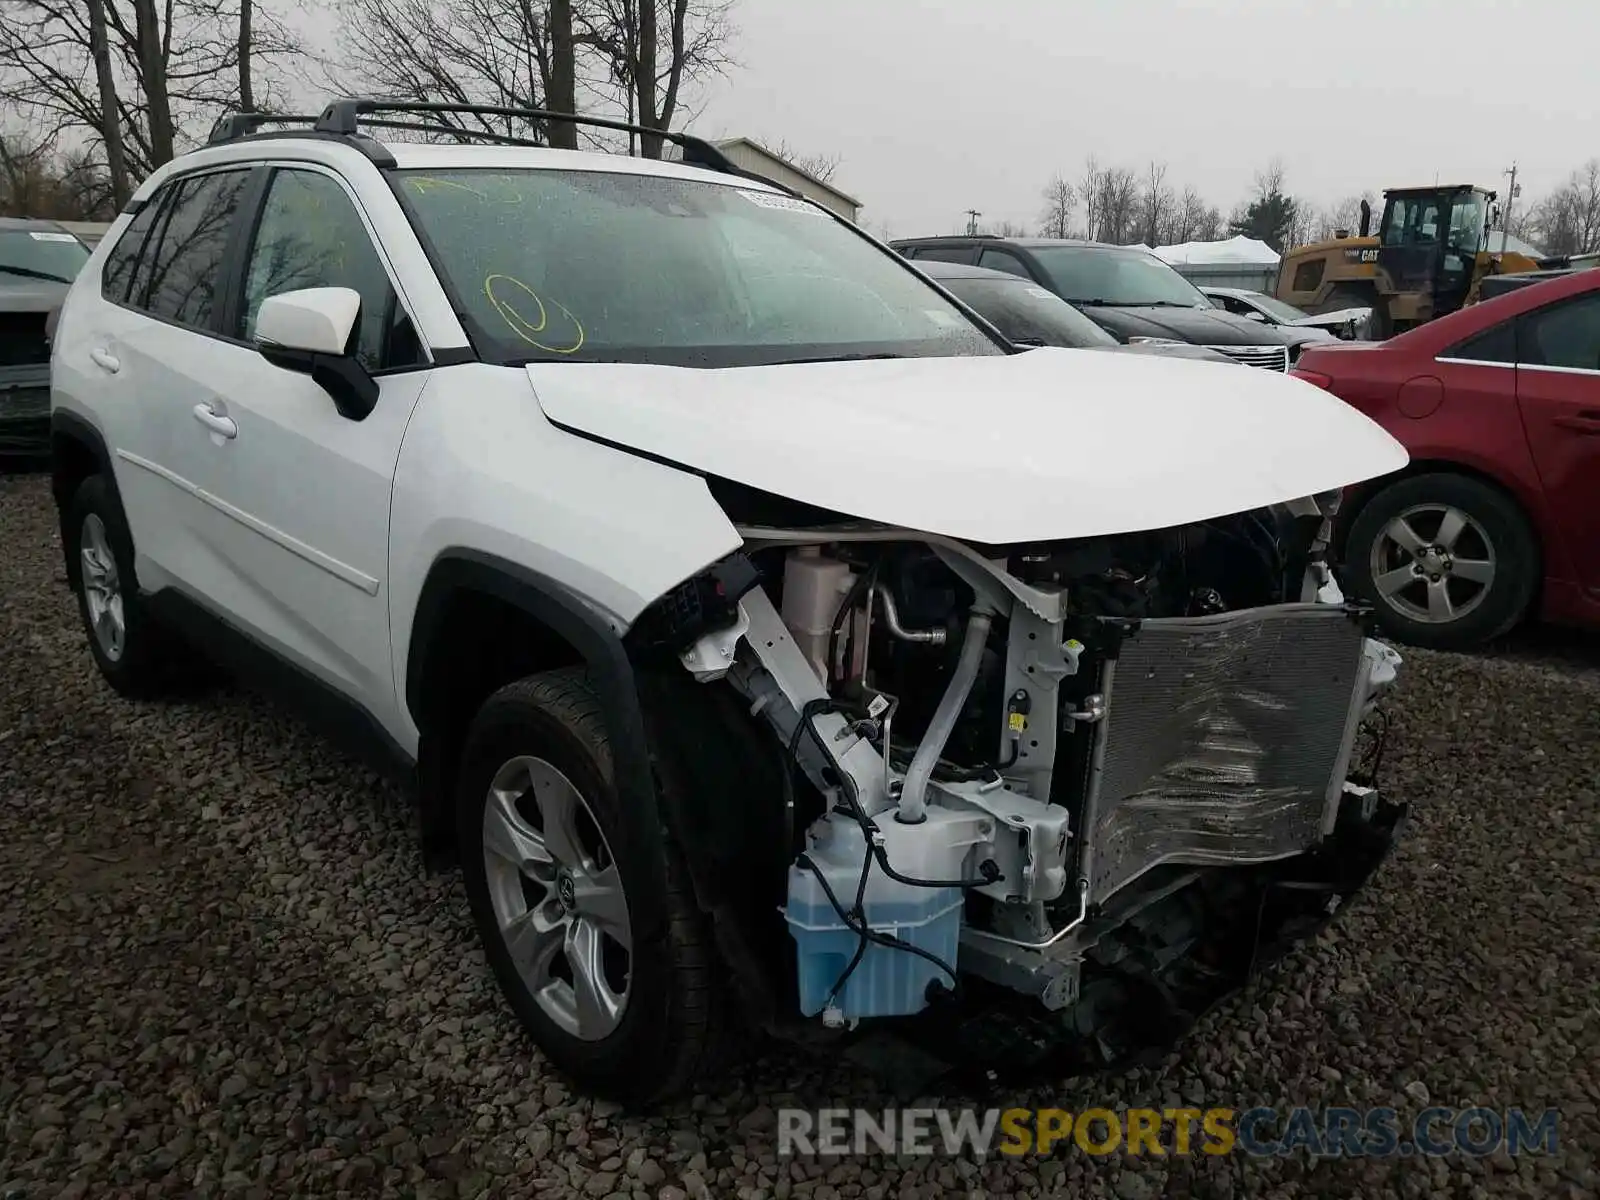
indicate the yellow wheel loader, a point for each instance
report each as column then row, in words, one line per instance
column 1432, row 249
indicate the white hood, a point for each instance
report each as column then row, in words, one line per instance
column 1048, row 444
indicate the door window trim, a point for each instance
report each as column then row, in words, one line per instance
column 158, row 229
column 272, row 166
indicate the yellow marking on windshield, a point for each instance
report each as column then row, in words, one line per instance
column 520, row 325
column 422, row 184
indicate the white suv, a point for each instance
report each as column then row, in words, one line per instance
column 774, row 646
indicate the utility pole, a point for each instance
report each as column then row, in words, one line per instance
column 1505, row 213
column 972, row 221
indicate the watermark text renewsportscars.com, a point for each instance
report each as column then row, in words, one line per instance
column 1162, row 1132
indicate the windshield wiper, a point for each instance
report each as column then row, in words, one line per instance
column 30, row 273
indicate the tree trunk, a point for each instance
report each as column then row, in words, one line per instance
column 645, row 81
column 153, row 68
column 561, row 94
column 111, row 117
column 247, row 100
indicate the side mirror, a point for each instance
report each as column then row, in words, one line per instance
column 1255, row 316
column 312, row 331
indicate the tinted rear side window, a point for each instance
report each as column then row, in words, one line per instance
column 949, row 254
column 1496, row 345
column 186, row 273
column 120, row 262
column 1563, row 335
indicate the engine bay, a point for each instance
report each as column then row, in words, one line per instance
column 966, row 788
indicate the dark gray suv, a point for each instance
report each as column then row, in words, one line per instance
column 1126, row 290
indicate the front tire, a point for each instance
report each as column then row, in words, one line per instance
column 629, row 1020
column 1446, row 560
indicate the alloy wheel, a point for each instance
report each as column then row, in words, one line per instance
column 102, row 588
column 557, row 897
column 1434, row 563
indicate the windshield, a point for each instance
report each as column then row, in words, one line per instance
column 1275, row 308
column 40, row 254
column 593, row 266
column 1026, row 312
column 1096, row 275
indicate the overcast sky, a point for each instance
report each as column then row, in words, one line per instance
column 936, row 107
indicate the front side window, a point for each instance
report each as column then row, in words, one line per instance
column 1566, row 334
column 1123, row 278
column 594, row 266
column 185, row 278
column 310, row 235
column 48, row 254
column 1028, row 313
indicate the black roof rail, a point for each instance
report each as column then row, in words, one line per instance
column 344, row 118
column 233, row 126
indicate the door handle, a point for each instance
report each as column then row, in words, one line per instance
column 217, row 423
column 1586, row 421
column 106, row 360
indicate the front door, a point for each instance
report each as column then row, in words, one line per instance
column 300, row 493
column 1558, row 391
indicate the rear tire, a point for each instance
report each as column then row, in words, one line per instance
column 1446, row 560
column 138, row 656
column 636, row 1022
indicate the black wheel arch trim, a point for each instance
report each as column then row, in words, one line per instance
column 68, row 425
column 610, row 673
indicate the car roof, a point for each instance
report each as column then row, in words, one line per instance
column 936, row 269
column 1211, row 290
column 31, row 225
column 1027, row 243
column 346, row 153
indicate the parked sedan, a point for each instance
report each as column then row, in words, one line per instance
column 38, row 260
column 1347, row 323
column 1498, row 515
column 1030, row 315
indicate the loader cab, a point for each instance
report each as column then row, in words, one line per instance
column 1429, row 246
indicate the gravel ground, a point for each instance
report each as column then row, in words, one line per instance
column 223, row 971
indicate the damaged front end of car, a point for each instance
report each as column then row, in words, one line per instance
column 1046, row 800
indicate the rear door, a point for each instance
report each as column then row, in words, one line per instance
column 1558, row 391
column 146, row 358
column 300, row 494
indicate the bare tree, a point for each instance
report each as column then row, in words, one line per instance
column 110, row 127
column 1089, row 192
column 36, row 181
column 490, row 52
column 1006, row 229
column 151, row 74
column 1155, row 204
column 1187, row 219
column 820, row 167
column 1568, row 220
column 1118, row 206
column 1345, row 215
column 651, row 75
column 1059, row 201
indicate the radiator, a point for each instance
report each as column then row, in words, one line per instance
column 1225, row 740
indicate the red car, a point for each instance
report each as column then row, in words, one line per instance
column 1497, row 517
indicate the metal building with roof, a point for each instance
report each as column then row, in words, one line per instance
column 753, row 156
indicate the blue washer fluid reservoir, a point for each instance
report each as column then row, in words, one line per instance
column 888, row 981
